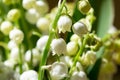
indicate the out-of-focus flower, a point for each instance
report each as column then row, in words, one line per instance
column 13, row 15
column 6, row 27
column 36, row 56
column 43, row 25
column 79, row 76
column 28, row 4
column 42, row 7
column 42, row 42
column 16, row 35
column 32, row 16
column 29, row 75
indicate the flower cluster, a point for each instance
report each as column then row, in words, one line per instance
column 42, row 44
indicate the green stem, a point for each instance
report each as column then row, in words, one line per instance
column 79, row 53
column 51, row 34
column 20, row 60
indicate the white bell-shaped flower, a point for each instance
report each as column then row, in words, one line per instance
column 32, row 16
column 29, row 75
column 28, row 4
column 43, row 25
column 41, row 6
column 10, row 63
column 6, row 27
column 14, row 54
column 36, row 56
column 42, row 42
column 79, row 76
column 80, row 29
column 16, row 35
column 58, row 46
column 13, row 15
column 72, row 48
column 64, row 24
column 58, row 71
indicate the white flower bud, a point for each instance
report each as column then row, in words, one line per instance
column 64, row 24
column 32, row 16
column 6, row 27
column 58, row 46
column 28, row 4
column 29, row 75
column 13, row 15
column 16, row 35
column 74, row 38
column 58, row 71
column 42, row 42
column 10, row 63
column 79, row 76
column 89, row 58
column 72, row 48
column 80, row 29
column 41, row 6
column 43, row 25
column 12, row 44
column 84, row 6
column 36, row 56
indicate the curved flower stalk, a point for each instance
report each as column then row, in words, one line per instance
column 47, row 47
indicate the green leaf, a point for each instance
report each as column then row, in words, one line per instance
column 106, row 16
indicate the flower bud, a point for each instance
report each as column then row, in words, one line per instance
column 29, row 75
column 89, row 58
column 42, row 42
column 74, row 38
column 84, row 6
column 36, row 56
column 58, row 71
column 64, row 24
column 13, row 15
column 41, row 6
column 58, row 46
column 28, row 4
column 80, row 29
column 6, row 27
column 16, row 35
column 32, row 16
column 79, row 76
column 72, row 48
column 43, row 25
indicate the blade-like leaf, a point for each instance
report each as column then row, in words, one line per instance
column 106, row 16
